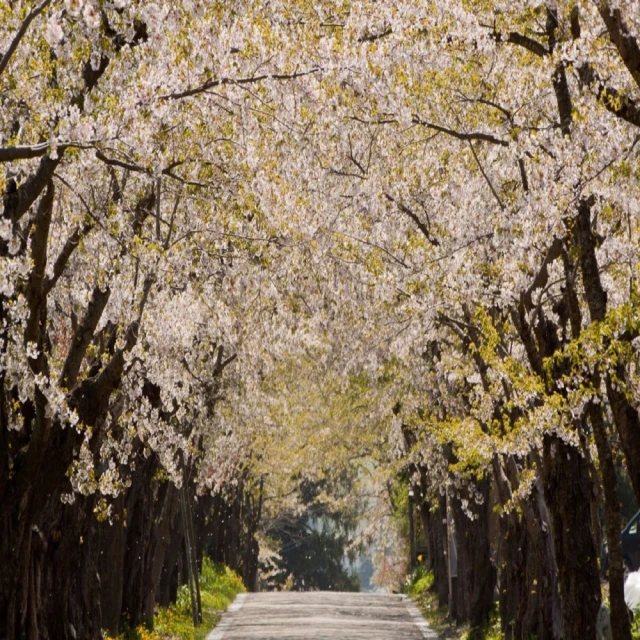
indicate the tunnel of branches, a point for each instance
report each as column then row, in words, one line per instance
column 300, row 279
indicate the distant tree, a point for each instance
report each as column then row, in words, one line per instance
column 313, row 546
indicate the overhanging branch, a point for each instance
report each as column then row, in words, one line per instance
column 219, row 82
column 477, row 135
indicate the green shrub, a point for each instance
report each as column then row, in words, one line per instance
column 635, row 626
column 219, row 585
column 418, row 582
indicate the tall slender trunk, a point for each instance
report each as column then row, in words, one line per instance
column 112, row 541
column 433, row 522
column 620, row 624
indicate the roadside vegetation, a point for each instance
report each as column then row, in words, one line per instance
column 419, row 587
column 219, row 585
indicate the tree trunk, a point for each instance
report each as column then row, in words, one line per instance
column 433, row 524
column 138, row 552
column 620, row 624
column 112, row 568
column 476, row 574
column 567, row 484
column 528, row 593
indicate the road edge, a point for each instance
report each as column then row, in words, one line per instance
column 228, row 617
column 418, row 619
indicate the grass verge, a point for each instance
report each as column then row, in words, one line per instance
column 419, row 589
column 219, row 585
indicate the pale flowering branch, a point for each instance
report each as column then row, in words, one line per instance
column 31, row 16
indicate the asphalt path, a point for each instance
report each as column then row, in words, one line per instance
column 322, row 615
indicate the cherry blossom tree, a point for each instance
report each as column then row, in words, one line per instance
column 428, row 208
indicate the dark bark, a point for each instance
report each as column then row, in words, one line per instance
column 139, row 545
column 567, row 488
column 528, row 595
column 515, row 580
column 476, row 573
column 111, row 567
column 83, row 335
column 566, row 479
column 161, row 541
column 559, row 79
column 168, row 584
column 433, row 518
column 620, row 624
column 17, row 202
column 622, row 38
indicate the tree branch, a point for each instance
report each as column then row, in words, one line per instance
column 34, row 290
column 616, row 103
column 9, row 154
column 114, row 162
column 528, row 43
column 18, row 201
column 621, row 37
column 520, row 40
column 32, row 15
column 421, row 225
column 83, row 336
column 372, row 37
column 63, row 257
column 486, row 177
column 218, row 82
column 542, row 277
column 484, row 137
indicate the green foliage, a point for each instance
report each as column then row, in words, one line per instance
column 493, row 630
column 418, row 587
column 316, row 561
column 427, row 601
column 635, row 626
column 418, row 582
column 312, row 544
column 219, row 585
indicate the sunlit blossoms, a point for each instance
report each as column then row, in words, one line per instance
column 245, row 244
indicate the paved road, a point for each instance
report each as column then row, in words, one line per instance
column 322, row 615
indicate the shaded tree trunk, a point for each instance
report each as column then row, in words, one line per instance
column 620, row 623
column 433, row 522
column 528, row 591
column 476, row 573
column 567, row 482
column 112, row 541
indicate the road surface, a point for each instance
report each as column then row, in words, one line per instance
column 322, row 615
